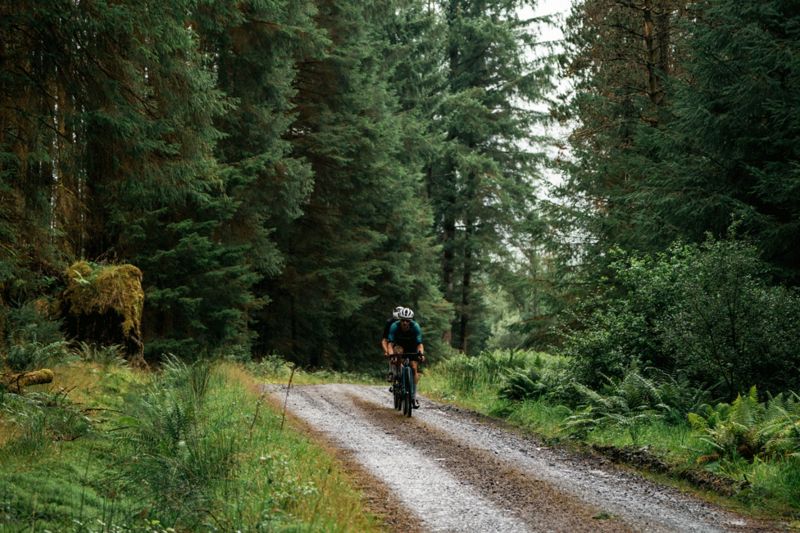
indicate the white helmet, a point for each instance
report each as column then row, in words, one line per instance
column 406, row 314
column 396, row 312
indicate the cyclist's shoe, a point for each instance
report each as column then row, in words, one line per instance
column 415, row 405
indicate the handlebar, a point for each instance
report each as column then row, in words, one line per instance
column 410, row 356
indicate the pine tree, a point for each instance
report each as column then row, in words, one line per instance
column 37, row 121
column 483, row 185
column 622, row 58
column 108, row 137
column 730, row 154
column 358, row 250
column 254, row 48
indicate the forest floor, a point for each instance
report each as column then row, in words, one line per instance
column 449, row 469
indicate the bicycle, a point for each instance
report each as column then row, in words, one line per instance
column 403, row 386
column 396, row 389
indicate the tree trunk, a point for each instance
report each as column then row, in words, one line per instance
column 466, row 288
column 16, row 382
column 653, row 91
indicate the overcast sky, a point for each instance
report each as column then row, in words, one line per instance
column 561, row 9
column 551, row 7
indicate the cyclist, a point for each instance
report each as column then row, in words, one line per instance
column 385, row 339
column 387, row 350
column 405, row 337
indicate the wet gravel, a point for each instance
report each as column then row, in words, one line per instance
column 458, row 471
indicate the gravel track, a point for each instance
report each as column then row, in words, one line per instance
column 458, row 471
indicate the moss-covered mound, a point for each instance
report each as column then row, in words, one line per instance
column 104, row 303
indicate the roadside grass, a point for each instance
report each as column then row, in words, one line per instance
column 676, row 442
column 192, row 447
column 766, row 487
column 276, row 370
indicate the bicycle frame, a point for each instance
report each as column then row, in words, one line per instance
column 404, row 387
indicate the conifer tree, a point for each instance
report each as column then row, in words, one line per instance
column 621, row 58
column 731, row 152
column 355, row 253
column 483, row 185
column 108, row 138
column 255, row 47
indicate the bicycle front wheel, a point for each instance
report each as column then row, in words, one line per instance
column 408, row 394
column 397, row 391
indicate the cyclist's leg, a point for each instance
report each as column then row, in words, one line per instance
column 416, row 373
column 416, row 381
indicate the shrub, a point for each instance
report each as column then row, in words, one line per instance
column 705, row 310
column 632, row 401
column 465, row 373
column 748, row 428
column 545, row 377
column 111, row 355
column 522, row 384
column 33, row 355
column 41, row 418
column 182, row 450
column 34, row 339
column 729, row 324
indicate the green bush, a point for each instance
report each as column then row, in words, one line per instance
column 630, row 402
column 730, row 325
column 707, row 311
column 109, row 355
column 182, row 451
column 465, row 373
column 42, row 418
column 33, row 355
column 522, row 384
column 32, row 339
column 542, row 378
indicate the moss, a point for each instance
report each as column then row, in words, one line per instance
column 107, row 290
column 17, row 382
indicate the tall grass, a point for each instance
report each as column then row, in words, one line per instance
column 192, row 448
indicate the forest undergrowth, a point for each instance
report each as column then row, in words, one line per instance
column 745, row 453
column 193, row 447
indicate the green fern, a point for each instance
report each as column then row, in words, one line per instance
column 748, row 428
column 625, row 408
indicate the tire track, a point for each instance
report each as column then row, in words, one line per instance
column 440, row 501
column 529, row 499
column 472, row 474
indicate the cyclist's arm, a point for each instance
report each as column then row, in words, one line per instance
column 390, row 337
column 418, row 332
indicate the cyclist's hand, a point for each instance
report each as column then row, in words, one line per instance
column 422, row 358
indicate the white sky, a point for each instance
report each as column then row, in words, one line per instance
column 559, row 9
column 550, row 7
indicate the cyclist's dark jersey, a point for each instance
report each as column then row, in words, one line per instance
column 409, row 340
column 387, row 326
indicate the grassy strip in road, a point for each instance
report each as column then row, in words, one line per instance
column 191, row 448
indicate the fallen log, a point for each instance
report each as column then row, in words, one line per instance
column 16, row 382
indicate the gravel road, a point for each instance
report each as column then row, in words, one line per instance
column 447, row 469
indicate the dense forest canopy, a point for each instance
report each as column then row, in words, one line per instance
column 285, row 173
